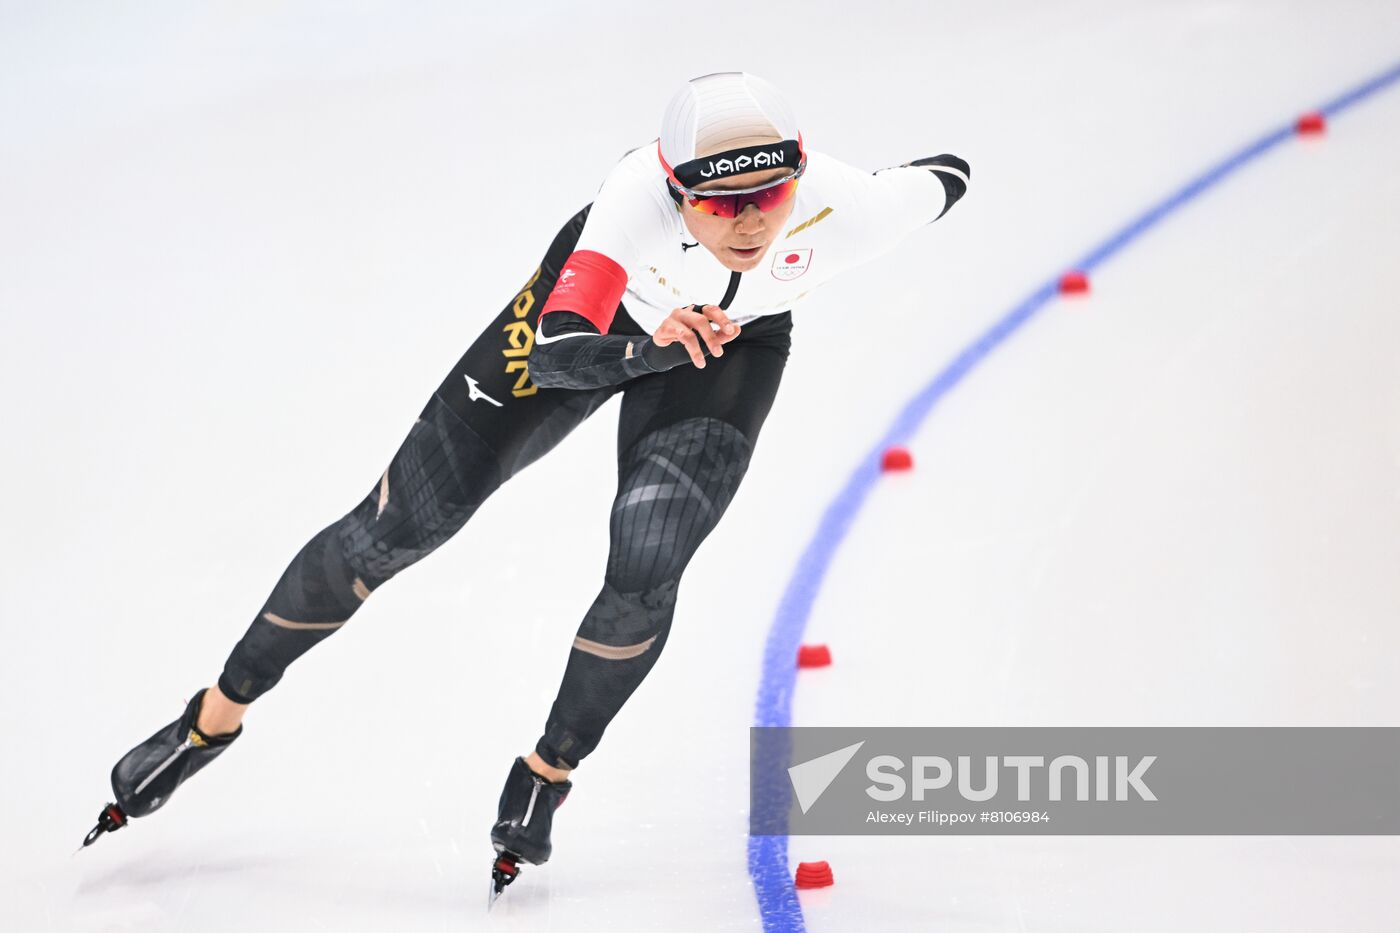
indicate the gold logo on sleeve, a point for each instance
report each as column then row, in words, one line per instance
column 807, row 223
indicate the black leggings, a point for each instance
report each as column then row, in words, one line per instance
column 685, row 437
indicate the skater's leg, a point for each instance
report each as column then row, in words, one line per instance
column 685, row 438
column 441, row 473
column 485, row 423
column 219, row 715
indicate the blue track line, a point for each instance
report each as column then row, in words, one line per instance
column 768, row 855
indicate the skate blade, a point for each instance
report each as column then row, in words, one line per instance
column 504, row 870
column 109, row 820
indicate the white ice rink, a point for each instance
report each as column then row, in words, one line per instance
column 240, row 244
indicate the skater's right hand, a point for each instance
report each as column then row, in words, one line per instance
column 689, row 327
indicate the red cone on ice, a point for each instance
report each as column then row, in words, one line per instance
column 896, row 458
column 813, row 656
column 1312, row 124
column 1074, row 283
column 813, row 875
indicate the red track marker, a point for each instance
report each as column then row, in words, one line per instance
column 1074, row 283
column 814, row 875
column 897, row 458
column 1312, row 124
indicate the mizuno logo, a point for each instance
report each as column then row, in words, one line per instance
column 473, row 393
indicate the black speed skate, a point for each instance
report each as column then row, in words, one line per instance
column 147, row 775
column 523, row 821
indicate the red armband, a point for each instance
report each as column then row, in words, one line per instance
column 590, row 284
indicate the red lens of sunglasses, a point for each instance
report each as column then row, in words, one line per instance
column 730, row 205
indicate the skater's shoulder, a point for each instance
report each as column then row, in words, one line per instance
column 639, row 166
column 633, row 195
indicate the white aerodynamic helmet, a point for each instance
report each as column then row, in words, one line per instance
column 711, row 113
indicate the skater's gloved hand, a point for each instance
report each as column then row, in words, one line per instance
column 694, row 329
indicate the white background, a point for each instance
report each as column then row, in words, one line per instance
column 240, row 244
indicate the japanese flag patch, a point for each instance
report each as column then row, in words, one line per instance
column 791, row 264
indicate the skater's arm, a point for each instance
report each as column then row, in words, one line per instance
column 906, row 197
column 954, row 173
column 569, row 353
column 573, row 349
column 885, row 207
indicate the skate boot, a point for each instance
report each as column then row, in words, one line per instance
column 148, row 774
column 523, row 821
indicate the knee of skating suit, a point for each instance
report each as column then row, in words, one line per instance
column 147, row 775
column 440, row 475
column 674, row 484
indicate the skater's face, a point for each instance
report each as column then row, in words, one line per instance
column 740, row 242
